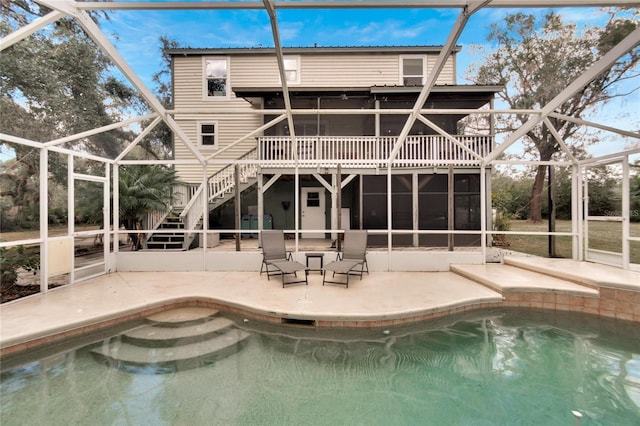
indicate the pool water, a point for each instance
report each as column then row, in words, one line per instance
column 490, row 367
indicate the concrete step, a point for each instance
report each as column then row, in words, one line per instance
column 154, row 336
column 126, row 356
column 180, row 317
column 505, row 278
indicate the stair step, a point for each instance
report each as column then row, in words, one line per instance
column 177, row 225
column 164, row 246
column 164, row 360
column 154, row 336
column 182, row 316
column 166, row 238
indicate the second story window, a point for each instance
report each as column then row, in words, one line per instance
column 216, row 72
column 412, row 68
column 208, row 134
column 292, row 69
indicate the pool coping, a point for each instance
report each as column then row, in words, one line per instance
column 116, row 298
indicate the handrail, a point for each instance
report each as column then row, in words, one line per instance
column 373, row 151
column 223, row 181
column 219, row 183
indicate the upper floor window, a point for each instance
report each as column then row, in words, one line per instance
column 216, row 73
column 292, row 69
column 208, row 134
column 412, row 70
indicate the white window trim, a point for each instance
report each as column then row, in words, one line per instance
column 216, row 135
column 401, row 67
column 205, row 96
column 298, row 62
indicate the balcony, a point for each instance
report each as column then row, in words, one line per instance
column 372, row 151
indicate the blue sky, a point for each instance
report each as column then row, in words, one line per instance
column 136, row 34
column 138, row 31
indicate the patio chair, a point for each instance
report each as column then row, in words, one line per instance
column 352, row 260
column 277, row 261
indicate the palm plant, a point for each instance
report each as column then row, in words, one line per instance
column 142, row 189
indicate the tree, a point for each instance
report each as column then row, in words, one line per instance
column 535, row 61
column 143, row 189
column 57, row 83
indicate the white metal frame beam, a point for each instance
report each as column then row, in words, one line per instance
column 268, row 5
column 348, row 4
column 602, row 64
column 84, row 20
column 29, row 29
column 434, row 73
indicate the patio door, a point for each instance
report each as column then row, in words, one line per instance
column 91, row 241
column 605, row 225
column 312, row 211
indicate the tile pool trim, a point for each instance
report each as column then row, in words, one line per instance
column 615, row 303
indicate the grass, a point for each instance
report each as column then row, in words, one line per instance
column 602, row 236
column 54, row 231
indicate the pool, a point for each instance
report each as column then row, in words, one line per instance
column 486, row 367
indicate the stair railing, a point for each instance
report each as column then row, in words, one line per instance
column 191, row 216
column 218, row 184
column 152, row 220
column 223, row 181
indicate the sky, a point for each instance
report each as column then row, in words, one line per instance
column 136, row 34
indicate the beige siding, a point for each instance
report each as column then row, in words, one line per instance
column 342, row 70
column 230, row 130
column 448, row 73
column 316, row 70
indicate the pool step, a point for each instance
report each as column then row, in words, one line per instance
column 174, row 340
column 181, row 317
column 154, row 336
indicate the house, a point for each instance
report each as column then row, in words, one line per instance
column 349, row 106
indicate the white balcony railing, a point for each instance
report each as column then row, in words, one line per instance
column 372, row 151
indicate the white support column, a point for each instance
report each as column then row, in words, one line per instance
column 204, row 237
column 106, row 199
column 71, row 214
column 389, row 217
column 584, row 203
column 416, row 210
column 483, row 212
column 334, row 205
column 296, row 198
column 116, row 209
column 360, row 206
column 44, row 220
column 576, row 217
column 260, row 183
column 377, row 119
column 626, row 210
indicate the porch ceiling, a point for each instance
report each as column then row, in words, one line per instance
column 446, row 97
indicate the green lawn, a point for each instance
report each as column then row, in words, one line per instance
column 602, row 236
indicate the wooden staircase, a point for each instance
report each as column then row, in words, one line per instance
column 174, row 340
column 176, row 230
column 173, row 236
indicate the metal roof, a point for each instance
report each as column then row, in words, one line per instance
column 306, row 50
column 449, row 88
